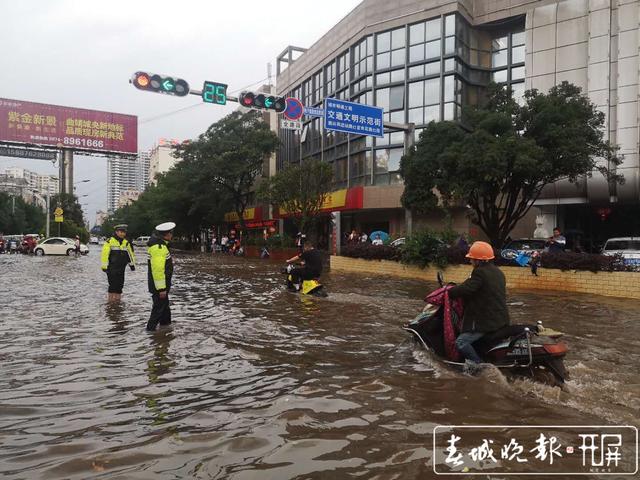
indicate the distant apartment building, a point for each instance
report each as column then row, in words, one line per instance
column 125, row 175
column 101, row 217
column 161, row 159
column 31, row 186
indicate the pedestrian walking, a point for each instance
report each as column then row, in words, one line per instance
column 117, row 252
column 159, row 274
column 76, row 245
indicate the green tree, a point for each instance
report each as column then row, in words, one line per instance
column 183, row 195
column 299, row 189
column 73, row 223
column 19, row 217
column 502, row 156
column 230, row 155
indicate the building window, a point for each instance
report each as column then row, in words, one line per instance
column 317, row 87
column 390, row 49
column 425, row 40
column 424, row 101
column 330, row 79
column 343, row 70
column 362, row 56
column 392, row 102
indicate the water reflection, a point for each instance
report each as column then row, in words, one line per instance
column 253, row 381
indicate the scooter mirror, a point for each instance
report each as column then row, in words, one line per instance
column 440, row 278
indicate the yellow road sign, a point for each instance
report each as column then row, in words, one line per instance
column 58, row 212
column 59, row 219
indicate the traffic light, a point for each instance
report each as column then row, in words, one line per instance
column 263, row 101
column 153, row 82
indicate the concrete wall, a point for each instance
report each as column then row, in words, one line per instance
column 611, row 284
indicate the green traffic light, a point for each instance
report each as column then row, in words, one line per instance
column 167, row 85
column 268, row 102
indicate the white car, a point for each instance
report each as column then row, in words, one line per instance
column 141, row 241
column 628, row 247
column 59, row 246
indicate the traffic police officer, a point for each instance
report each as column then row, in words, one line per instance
column 117, row 252
column 159, row 274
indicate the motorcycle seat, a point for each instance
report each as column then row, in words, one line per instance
column 493, row 338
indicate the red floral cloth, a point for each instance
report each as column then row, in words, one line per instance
column 440, row 297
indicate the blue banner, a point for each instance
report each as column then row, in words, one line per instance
column 351, row 117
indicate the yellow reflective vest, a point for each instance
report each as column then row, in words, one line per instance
column 116, row 254
column 160, row 268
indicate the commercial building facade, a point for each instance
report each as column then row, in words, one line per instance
column 426, row 60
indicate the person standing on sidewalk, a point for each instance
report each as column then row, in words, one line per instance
column 117, row 252
column 159, row 274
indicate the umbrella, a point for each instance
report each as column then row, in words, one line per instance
column 383, row 235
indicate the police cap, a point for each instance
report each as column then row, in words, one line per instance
column 165, row 227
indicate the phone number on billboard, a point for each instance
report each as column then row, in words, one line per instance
column 83, row 142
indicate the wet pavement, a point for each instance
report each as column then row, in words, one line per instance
column 255, row 382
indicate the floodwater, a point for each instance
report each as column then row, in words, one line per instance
column 254, row 382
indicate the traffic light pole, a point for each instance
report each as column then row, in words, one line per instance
column 409, row 141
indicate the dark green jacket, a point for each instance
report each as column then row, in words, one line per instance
column 485, row 299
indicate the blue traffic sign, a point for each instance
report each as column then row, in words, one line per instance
column 313, row 112
column 351, row 117
column 294, row 109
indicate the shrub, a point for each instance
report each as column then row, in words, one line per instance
column 592, row 262
column 371, row 252
column 426, row 247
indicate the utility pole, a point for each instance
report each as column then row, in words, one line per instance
column 47, row 228
column 409, row 141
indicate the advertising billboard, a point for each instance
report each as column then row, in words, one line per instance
column 67, row 127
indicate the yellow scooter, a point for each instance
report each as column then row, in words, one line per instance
column 304, row 287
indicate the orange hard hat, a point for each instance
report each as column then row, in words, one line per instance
column 481, row 251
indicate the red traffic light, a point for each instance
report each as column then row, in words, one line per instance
column 263, row 101
column 154, row 82
column 141, row 80
column 247, row 99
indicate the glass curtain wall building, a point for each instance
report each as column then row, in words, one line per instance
column 427, row 60
column 419, row 72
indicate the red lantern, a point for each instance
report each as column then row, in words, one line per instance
column 603, row 213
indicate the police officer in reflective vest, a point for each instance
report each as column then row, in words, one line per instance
column 117, row 252
column 159, row 274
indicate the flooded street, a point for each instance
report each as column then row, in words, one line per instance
column 255, row 382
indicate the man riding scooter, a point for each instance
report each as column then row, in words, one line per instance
column 485, row 301
column 310, row 271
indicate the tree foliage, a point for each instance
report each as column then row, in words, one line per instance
column 20, row 218
column 299, row 189
column 73, row 217
column 502, row 156
column 230, row 155
column 182, row 195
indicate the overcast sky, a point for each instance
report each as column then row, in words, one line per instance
column 82, row 53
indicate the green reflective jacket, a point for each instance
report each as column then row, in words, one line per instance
column 160, row 265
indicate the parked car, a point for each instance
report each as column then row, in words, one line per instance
column 398, row 242
column 94, row 240
column 141, row 241
column 523, row 245
column 628, row 247
column 59, row 246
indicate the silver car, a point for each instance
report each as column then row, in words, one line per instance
column 628, row 247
